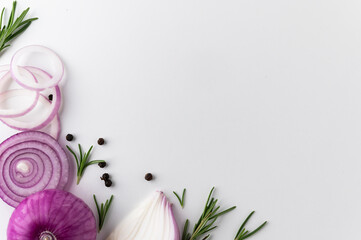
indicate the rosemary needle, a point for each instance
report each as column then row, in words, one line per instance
column 83, row 161
column 181, row 200
column 243, row 233
column 206, row 221
column 102, row 211
column 13, row 28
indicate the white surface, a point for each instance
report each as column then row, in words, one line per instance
column 259, row 98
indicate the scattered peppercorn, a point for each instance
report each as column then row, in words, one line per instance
column 105, row 176
column 148, row 177
column 102, row 164
column 69, row 137
column 108, row 183
column 101, row 141
column 50, row 97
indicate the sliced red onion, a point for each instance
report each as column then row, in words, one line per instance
column 25, row 100
column 13, row 112
column 53, row 128
column 3, row 70
column 43, row 113
column 153, row 219
column 34, row 120
column 6, row 80
column 30, row 162
column 25, row 78
column 52, row 215
column 5, row 67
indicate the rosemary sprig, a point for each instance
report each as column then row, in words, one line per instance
column 83, row 161
column 181, row 200
column 13, row 28
column 102, row 211
column 206, row 221
column 243, row 233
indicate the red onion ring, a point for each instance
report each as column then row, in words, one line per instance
column 3, row 70
column 53, row 128
column 18, row 93
column 30, row 162
column 7, row 94
column 25, row 78
column 52, row 215
column 23, row 122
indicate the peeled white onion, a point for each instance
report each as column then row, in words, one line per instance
column 152, row 220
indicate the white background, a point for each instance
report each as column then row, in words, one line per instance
column 259, row 98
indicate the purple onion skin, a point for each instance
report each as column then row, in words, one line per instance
column 54, row 212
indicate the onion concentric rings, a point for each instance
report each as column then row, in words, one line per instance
column 30, row 162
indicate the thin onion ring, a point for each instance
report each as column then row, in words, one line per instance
column 53, row 128
column 37, row 124
column 26, row 79
column 13, row 113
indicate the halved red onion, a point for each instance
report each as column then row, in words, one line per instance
column 52, row 215
column 30, row 162
column 26, row 78
column 34, row 120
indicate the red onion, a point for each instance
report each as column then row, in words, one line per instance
column 34, row 120
column 36, row 76
column 30, row 162
column 7, row 94
column 53, row 128
column 18, row 93
column 52, row 215
column 39, row 117
column 26, row 78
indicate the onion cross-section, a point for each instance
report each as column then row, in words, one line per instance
column 30, row 162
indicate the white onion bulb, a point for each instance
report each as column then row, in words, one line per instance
column 152, row 220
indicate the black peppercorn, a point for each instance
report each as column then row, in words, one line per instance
column 148, row 177
column 108, row 183
column 50, row 97
column 105, row 176
column 101, row 141
column 102, row 164
column 69, row 137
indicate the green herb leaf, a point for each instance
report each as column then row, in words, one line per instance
column 102, row 211
column 243, row 233
column 206, row 221
column 181, row 200
column 13, row 28
column 82, row 162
